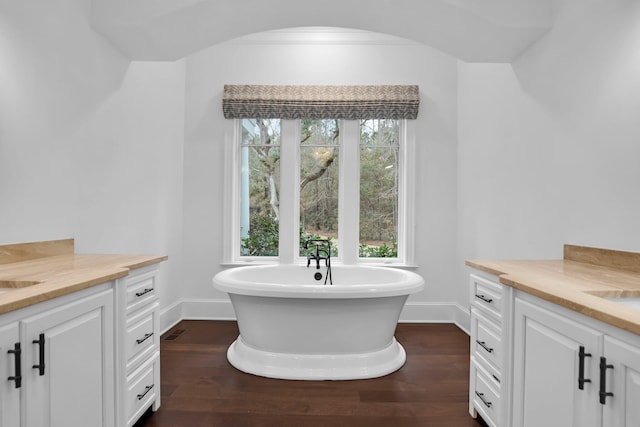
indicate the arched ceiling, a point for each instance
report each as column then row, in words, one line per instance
column 471, row 30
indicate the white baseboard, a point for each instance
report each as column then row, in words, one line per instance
column 170, row 315
column 427, row 312
column 436, row 312
column 221, row 309
column 463, row 318
column 211, row 309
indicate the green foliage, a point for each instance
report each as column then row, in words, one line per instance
column 263, row 237
column 382, row 251
column 304, row 237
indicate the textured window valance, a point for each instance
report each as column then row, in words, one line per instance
column 321, row 102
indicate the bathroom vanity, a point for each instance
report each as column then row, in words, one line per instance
column 556, row 342
column 79, row 342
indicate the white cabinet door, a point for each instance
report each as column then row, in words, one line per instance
column 622, row 378
column 10, row 373
column 546, row 370
column 71, row 351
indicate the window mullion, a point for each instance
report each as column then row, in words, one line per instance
column 289, row 239
column 406, row 196
column 231, row 191
column 349, row 191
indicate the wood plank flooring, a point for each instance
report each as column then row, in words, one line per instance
column 200, row 388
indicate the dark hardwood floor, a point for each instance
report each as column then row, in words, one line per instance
column 200, row 388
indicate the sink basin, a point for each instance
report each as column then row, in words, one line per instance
column 16, row 284
column 633, row 302
column 628, row 297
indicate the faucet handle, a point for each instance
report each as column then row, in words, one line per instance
column 308, row 262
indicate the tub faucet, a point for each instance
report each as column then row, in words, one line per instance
column 320, row 251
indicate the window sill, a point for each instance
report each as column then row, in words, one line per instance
column 248, row 262
column 303, row 263
column 390, row 265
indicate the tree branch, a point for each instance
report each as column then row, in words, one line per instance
column 323, row 164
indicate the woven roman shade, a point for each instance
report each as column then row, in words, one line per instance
column 321, row 102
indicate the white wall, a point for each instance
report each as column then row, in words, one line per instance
column 91, row 144
column 514, row 159
column 252, row 62
column 549, row 146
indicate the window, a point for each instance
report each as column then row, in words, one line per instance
column 336, row 164
column 379, row 155
column 259, row 187
column 319, row 181
column 345, row 180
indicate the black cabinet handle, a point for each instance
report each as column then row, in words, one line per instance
column 484, row 345
column 603, row 380
column 40, row 365
column 485, row 299
column 581, row 378
column 17, row 352
column 147, row 389
column 485, row 401
column 146, row 291
column 146, row 337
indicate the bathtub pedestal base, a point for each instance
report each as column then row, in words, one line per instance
column 316, row 366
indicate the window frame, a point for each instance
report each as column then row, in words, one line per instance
column 289, row 197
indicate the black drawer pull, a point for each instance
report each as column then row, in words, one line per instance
column 603, row 380
column 581, row 378
column 485, row 299
column 146, row 291
column 17, row 377
column 485, row 401
column 40, row 365
column 484, row 345
column 147, row 389
column 146, row 337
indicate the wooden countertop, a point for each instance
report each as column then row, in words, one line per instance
column 39, row 271
column 579, row 281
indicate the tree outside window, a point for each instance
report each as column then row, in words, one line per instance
column 320, row 172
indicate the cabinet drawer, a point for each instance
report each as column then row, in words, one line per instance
column 141, row 290
column 141, row 338
column 485, row 397
column 142, row 390
column 492, row 372
column 487, row 296
column 486, row 339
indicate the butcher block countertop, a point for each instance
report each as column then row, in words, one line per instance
column 39, row 271
column 581, row 281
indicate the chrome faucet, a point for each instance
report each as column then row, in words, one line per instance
column 323, row 252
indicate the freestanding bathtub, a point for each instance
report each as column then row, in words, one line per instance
column 294, row 327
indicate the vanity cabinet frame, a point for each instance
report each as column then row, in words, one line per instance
column 558, row 367
column 623, row 410
column 490, row 353
column 137, row 344
column 66, row 346
column 10, row 367
column 592, row 376
column 555, row 376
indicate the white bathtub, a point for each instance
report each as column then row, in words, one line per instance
column 294, row 327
